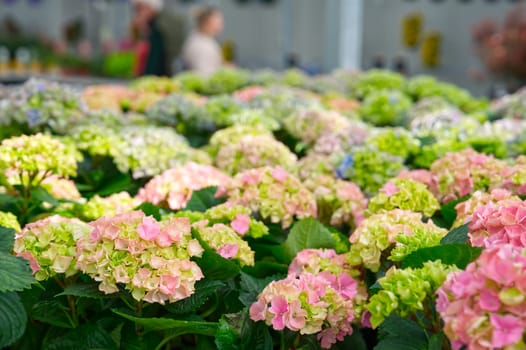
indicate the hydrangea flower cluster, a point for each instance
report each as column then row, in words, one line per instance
column 437, row 148
column 419, row 175
column 50, row 245
column 377, row 80
column 499, row 223
column 466, row 209
column 97, row 140
column 396, row 141
column 309, row 303
column 391, row 235
column 461, row 173
column 117, row 203
column 30, row 159
column 233, row 135
column 219, row 108
column 385, row 107
column 404, row 194
column 342, row 140
column 149, row 150
column 406, row 291
column 251, row 152
column 314, row 165
column 516, row 180
column 181, row 113
column 151, row 259
column 9, row 220
column 483, row 306
column 255, row 117
column 40, row 103
column 225, row 241
column 308, row 125
column 61, row 188
column 339, row 202
column 248, row 93
column 370, row 168
column 273, row 193
column 174, row 187
column 238, row 218
column 430, row 105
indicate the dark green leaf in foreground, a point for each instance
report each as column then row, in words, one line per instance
column 457, row 235
column 203, row 199
column 308, row 233
column 7, row 239
column 203, row 290
column 451, row 254
column 15, row 274
column 13, row 319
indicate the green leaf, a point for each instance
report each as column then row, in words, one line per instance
column 342, row 243
column 41, row 195
column 255, row 336
column 7, row 239
column 451, row 254
column 203, row 199
column 251, row 287
column 203, row 290
column 397, row 333
column 265, row 268
column 13, row 319
column 89, row 336
column 150, row 209
column 86, row 290
column 119, row 183
column 52, row 312
column 177, row 326
column 15, row 274
column 226, row 338
column 457, row 235
column 214, row 266
column 308, row 233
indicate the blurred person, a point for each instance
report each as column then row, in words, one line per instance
column 201, row 52
column 164, row 33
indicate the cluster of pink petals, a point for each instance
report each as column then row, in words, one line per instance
column 499, row 223
column 61, row 188
column 466, row 209
column 273, row 193
column 246, row 94
column 484, row 307
column 150, row 258
column 516, row 181
column 174, row 187
column 458, row 174
column 419, row 175
column 309, row 304
column 320, row 295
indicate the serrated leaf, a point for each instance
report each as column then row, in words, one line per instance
column 308, row 233
column 451, row 254
column 86, row 290
column 251, row 287
column 176, row 326
column 255, row 336
column 400, row 333
column 226, row 338
column 150, row 209
column 214, row 266
column 13, row 318
column 457, row 235
column 15, row 274
column 263, row 269
column 203, row 199
column 52, row 312
column 203, row 290
column 86, row 337
column 7, row 239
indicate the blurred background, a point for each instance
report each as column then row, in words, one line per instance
column 477, row 44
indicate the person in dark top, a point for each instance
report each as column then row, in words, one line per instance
column 164, row 33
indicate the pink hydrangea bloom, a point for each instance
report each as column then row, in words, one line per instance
column 484, row 306
column 499, row 223
column 174, row 187
column 246, row 94
column 272, row 192
column 241, row 224
column 150, row 258
column 420, row 175
column 460, row 173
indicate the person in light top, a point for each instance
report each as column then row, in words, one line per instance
column 201, row 52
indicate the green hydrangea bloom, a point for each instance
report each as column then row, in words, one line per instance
column 226, row 214
column 376, row 80
column 9, row 220
column 396, row 141
column 406, row 291
column 420, row 238
column 29, row 159
column 50, row 245
column 256, row 117
column 115, row 204
column 232, row 135
column 404, row 194
column 386, row 107
column 97, row 140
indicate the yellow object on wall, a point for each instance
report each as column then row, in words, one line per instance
column 430, row 50
column 412, row 29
